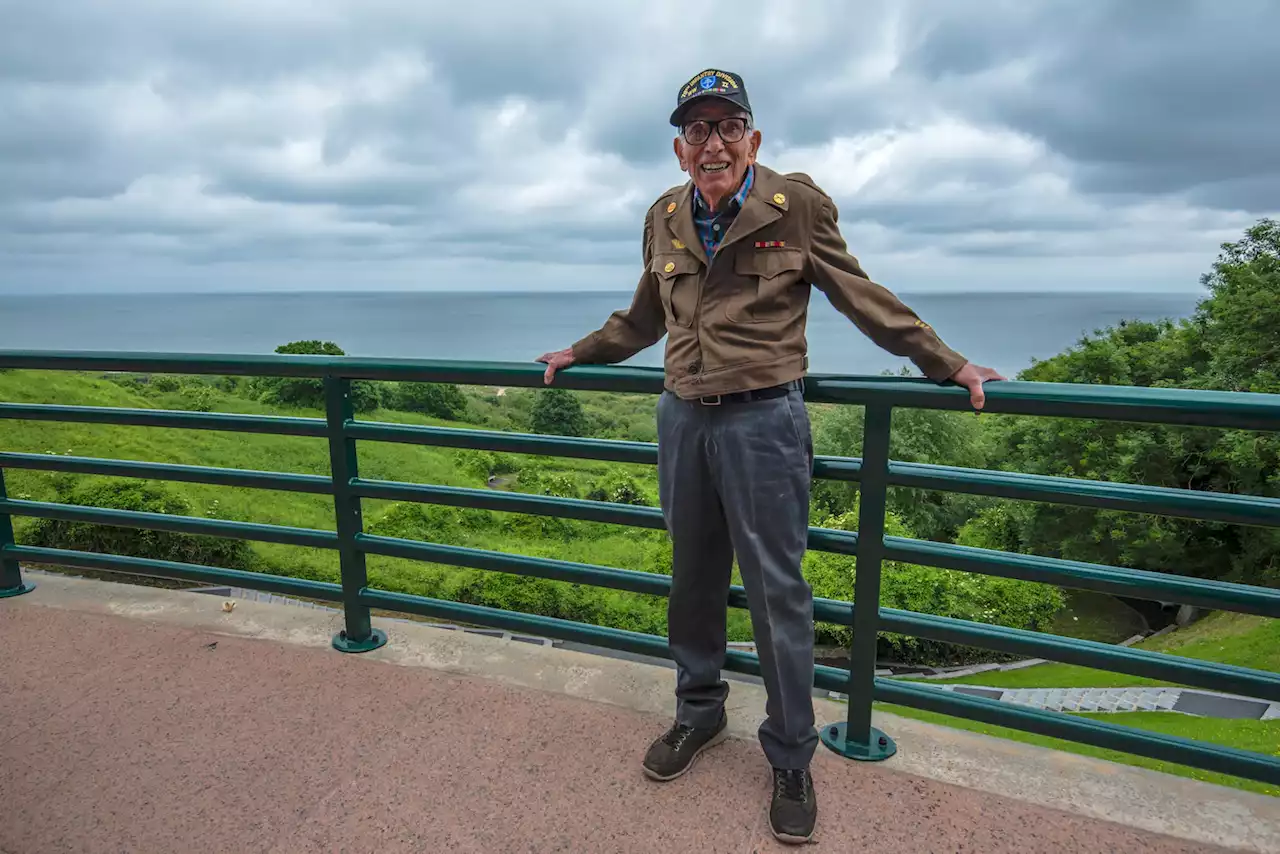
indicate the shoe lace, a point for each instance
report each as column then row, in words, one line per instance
column 791, row 784
column 675, row 737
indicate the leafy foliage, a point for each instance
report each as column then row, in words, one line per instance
column 308, row 392
column 440, row 400
column 1232, row 343
column 927, row 590
column 144, row 497
column 918, row 435
column 557, row 411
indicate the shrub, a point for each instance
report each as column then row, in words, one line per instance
column 308, row 392
column 928, row 590
column 558, row 412
column 440, row 400
column 619, row 489
column 145, row 497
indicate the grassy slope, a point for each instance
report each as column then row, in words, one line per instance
column 1238, row 639
column 603, row 544
column 1259, row 736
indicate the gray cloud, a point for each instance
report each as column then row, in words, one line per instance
column 145, row 142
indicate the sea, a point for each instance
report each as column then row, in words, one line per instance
column 1005, row 331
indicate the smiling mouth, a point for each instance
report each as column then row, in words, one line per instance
column 713, row 168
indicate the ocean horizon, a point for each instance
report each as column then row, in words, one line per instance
column 1004, row 330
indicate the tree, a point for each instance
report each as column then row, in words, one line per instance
column 918, row 435
column 1232, row 343
column 441, row 400
column 308, row 392
column 557, row 411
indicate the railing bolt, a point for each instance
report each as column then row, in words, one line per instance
column 883, row 741
column 835, row 731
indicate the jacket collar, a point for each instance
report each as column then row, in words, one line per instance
column 766, row 201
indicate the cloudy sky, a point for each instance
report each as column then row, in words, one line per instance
column 389, row 144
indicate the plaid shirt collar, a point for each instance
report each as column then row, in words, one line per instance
column 734, row 203
column 712, row 225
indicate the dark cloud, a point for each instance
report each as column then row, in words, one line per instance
column 1175, row 97
column 171, row 137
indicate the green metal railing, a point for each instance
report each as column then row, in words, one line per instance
column 874, row 473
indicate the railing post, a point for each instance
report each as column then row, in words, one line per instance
column 11, row 583
column 359, row 634
column 857, row 738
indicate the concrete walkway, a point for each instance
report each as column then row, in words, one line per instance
column 145, row 720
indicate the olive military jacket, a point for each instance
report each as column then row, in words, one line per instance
column 736, row 321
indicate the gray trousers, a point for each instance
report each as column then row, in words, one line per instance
column 734, row 481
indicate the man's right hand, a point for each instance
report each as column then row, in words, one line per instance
column 556, row 361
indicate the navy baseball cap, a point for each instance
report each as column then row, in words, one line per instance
column 712, row 83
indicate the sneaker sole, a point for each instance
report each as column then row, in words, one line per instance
column 789, row 838
column 711, row 742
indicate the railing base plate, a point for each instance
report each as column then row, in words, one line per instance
column 880, row 748
column 24, row 587
column 377, row 638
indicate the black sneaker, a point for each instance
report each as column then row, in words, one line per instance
column 673, row 753
column 794, row 808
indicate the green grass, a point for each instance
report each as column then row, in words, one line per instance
column 611, row 545
column 1226, row 638
column 1096, row 617
column 1259, row 736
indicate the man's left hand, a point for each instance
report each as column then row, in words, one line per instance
column 972, row 377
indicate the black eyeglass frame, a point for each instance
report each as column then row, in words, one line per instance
column 713, row 125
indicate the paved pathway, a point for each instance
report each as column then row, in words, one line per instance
column 118, row 734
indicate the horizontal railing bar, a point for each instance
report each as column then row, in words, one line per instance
column 556, row 570
column 821, row 539
column 322, row 590
column 1135, row 498
column 520, row 374
column 512, row 502
column 1131, row 583
column 176, row 419
column 1168, row 748
column 1211, row 757
column 650, row 583
column 1237, row 410
column 837, row 468
column 610, row 450
column 1222, row 409
column 176, row 524
column 1101, row 656
column 312, row 483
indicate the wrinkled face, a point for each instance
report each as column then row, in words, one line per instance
column 717, row 167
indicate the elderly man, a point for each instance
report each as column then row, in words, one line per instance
column 729, row 259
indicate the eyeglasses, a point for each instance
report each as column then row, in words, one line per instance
column 731, row 130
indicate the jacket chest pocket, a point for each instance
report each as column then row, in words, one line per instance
column 771, row 286
column 678, row 286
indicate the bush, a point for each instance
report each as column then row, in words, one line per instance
column 619, row 489
column 558, row 412
column 198, row 397
column 440, row 400
column 308, row 392
column 928, row 590
column 145, row 497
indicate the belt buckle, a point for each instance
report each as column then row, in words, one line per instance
column 710, row 400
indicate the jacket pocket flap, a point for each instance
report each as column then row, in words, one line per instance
column 666, row 266
column 768, row 263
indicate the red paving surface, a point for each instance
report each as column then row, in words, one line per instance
column 120, row 735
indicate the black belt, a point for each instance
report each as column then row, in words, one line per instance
column 748, row 396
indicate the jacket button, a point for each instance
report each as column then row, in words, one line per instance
column 694, row 367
